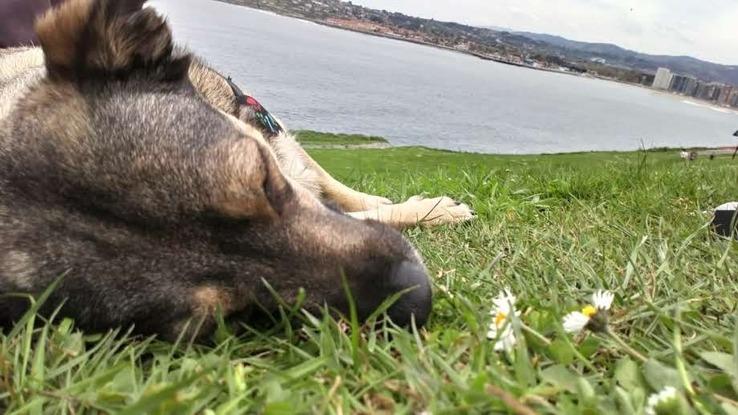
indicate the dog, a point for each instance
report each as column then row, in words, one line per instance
column 222, row 93
column 25, row 65
column 136, row 179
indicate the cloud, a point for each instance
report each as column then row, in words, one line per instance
column 704, row 29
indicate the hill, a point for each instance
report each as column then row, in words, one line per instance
column 617, row 55
column 524, row 48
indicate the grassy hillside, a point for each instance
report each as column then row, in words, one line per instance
column 313, row 138
column 551, row 228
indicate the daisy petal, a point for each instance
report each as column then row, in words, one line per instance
column 602, row 299
column 504, row 302
column 504, row 338
column 500, row 329
column 506, row 343
column 575, row 322
column 656, row 400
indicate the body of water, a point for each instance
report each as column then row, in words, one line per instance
column 320, row 78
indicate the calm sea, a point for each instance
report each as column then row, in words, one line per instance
column 314, row 77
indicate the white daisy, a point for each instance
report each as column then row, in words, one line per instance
column 505, row 301
column 602, row 299
column 575, row 321
column 593, row 317
column 662, row 402
column 500, row 330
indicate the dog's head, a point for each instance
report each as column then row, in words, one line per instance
column 159, row 204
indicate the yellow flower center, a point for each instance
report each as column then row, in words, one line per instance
column 500, row 318
column 589, row 310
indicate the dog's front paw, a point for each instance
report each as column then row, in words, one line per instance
column 435, row 211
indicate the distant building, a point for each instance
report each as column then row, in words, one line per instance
column 679, row 83
column 683, row 84
column 676, row 83
column 646, row 79
column 718, row 91
column 733, row 100
column 662, row 79
column 691, row 87
column 725, row 94
column 709, row 91
column 702, row 91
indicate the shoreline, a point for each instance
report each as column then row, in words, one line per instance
column 718, row 151
column 373, row 146
column 416, row 42
column 686, row 99
column 726, row 150
column 702, row 152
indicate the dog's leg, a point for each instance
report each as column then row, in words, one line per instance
column 419, row 211
column 298, row 164
column 349, row 199
column 415, row 211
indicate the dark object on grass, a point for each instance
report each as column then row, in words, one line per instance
column 735, row 134
column 725, row 220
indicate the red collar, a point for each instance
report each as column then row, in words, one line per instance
column 268, row 123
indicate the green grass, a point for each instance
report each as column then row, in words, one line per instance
column 312, row 138
column 551, row 228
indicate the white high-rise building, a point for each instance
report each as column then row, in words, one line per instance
column 662, row 79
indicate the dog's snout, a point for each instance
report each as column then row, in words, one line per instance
column 411, row 279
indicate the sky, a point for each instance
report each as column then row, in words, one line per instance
column 705, row 29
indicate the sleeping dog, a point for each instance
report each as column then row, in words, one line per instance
column 157, row 193
column 222, row 93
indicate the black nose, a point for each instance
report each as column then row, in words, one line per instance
column 411, row 278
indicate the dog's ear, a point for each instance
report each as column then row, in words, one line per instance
column 107, row 38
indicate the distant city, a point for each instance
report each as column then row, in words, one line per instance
column 687, row 85
column 685, row 75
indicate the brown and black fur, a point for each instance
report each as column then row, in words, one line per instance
column 159, row 208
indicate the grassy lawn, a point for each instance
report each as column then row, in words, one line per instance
column 551, row 228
